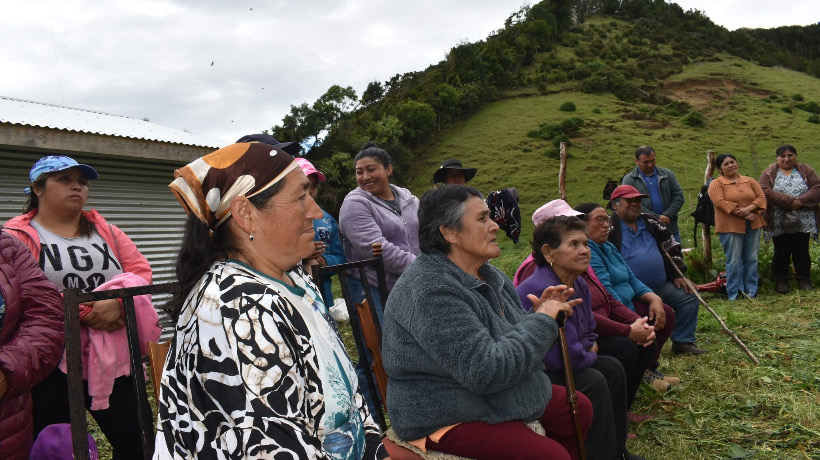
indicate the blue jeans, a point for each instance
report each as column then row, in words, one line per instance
column 741, row 261
column 357, row 294
column 686, row 311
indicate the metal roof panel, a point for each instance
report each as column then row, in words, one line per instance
column 29, row 113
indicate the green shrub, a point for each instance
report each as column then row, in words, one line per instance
column 672, row 112
column 596, row 110
column 534, row 133
column 682, row 107
column 553, row 153
column 814, row 119
column 561, row 138
column 571, row 125
column 811, row 107
column 567, row 107
column 787, row 109
column 797, row 97
column 557, row 76
column 694, row 119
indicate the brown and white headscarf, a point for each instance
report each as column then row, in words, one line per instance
column 207, row 185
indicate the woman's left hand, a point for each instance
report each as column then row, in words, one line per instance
column 796, row 204
column 106, row 315
column 594, row 348
column 554, row 300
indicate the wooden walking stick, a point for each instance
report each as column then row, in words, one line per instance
column 719, row 319
column 572, row 398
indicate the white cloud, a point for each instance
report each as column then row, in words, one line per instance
column 153, row 58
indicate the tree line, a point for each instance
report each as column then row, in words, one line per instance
column 404, row 112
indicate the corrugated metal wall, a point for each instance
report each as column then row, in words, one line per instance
column 131, row 193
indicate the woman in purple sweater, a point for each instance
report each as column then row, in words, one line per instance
column 560, row 249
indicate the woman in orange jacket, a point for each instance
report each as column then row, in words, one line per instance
column 738, row 202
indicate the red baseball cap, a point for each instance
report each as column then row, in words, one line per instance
column 627, row 191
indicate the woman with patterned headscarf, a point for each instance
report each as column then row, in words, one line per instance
column 257, row 368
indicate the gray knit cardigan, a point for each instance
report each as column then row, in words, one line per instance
column 457, row 349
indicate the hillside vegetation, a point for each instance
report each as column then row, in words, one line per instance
column 635, row 72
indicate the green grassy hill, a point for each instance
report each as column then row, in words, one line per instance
column 745, row 108
column 726, row 407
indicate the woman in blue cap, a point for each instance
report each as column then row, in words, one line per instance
column 79, row 249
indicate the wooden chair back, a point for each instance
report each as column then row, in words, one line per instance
column 373, row 341
column 157, row 352
column 72, row 299
column 372, row 325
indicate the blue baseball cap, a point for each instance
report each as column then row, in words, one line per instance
column 54, row 163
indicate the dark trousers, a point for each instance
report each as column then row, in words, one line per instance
column 605, row 385
column 632, row 356
column 119, row 422
column 661, row 336
column 514, row 440
column 791, row 247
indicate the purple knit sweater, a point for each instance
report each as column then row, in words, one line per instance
column 579, row 328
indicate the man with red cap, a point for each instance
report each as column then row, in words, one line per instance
column 663, row 195
column 642, row 240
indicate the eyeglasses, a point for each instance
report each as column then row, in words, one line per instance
column 603, row 220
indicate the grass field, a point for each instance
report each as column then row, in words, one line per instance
column 725, row 407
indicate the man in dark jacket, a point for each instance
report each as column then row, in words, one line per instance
column 663, row 194
column 31, row 342
column 642, row 240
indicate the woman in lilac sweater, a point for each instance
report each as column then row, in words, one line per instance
column 561, row 251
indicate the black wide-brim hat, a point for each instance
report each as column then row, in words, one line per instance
column 291, row 148
column 441, row 173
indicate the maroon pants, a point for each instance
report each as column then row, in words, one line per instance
column 514, row 440
column 660, row 336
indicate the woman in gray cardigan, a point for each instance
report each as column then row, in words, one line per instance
column 464, row 360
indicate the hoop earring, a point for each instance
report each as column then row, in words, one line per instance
column 251, row 237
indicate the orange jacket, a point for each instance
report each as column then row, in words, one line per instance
column 727, row 195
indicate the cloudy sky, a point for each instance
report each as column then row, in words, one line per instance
column 221, row 69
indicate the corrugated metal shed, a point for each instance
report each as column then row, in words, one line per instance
column 29, row 113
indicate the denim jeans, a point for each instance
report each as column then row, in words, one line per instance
column 357, row 294
column 741, row 261
column 686, row 311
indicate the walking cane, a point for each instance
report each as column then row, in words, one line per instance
column 726, row 329
column 570, row 384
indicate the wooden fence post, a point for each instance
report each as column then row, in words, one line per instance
column 706, row 231
column 562, row 173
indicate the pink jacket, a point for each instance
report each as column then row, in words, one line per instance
column 524, row 271
column 125, row 249
column 105, row 354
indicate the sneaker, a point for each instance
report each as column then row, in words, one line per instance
column 656, row 383
column 667, row 378
column 681, row 347
column 781, row 287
